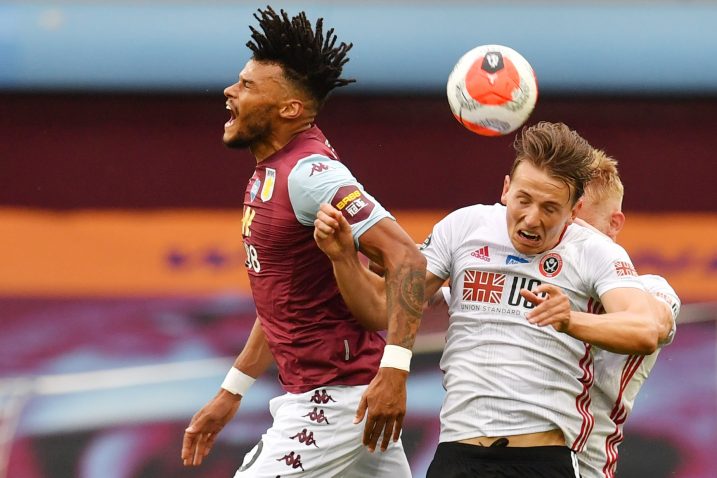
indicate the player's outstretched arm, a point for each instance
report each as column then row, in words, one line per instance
column 206, row 424
column 363, row 291
column 627, row 327
column 385, row 398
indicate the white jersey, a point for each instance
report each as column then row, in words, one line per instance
column 618, row 379
column 504, row 376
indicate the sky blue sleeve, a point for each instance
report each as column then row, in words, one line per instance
column 317, row 179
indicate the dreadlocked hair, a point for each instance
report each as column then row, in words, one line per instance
column 307, row 56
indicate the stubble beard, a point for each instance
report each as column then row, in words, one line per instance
column 254, row 132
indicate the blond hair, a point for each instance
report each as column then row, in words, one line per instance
column 605, row 183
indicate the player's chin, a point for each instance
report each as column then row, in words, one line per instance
column 235, row 141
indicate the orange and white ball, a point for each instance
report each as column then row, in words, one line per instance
column 492, row 90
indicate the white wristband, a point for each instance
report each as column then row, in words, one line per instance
column 396, row 357
column 237, row 382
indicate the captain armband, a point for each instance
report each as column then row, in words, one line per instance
column 396, row 357
column 237, row 382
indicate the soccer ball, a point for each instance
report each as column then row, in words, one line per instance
column 492, row 90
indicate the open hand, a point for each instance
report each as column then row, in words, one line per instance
column 206, row 424
column 385, row 400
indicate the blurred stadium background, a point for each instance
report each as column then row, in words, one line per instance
column 123, row 297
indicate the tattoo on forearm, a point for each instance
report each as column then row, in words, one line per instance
column 405, row 291
column 412, row 287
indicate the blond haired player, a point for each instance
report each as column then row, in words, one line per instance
column 517, row 392
column 618, row 378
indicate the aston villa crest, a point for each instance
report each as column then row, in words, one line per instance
column 268, row 190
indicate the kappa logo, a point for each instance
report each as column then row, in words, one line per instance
column 317, row 416
column 551, row 265
column 293, row 460
column 317, row 168
column 268, row 190
column 624, row 268
column 479, row 286
column 482, row 254
column 306, row 437
column 321, row 398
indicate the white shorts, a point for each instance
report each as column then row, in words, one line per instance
column 313, row 435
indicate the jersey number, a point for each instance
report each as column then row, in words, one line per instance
column 252, row 258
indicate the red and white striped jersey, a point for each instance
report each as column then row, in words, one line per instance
column 618, row 379
column 504, row 376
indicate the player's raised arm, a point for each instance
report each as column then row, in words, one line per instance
column 401, row 304
column 206, row 424
column 363, row 291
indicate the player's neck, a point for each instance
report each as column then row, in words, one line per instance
column 276, row 141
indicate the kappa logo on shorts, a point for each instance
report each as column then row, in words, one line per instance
column 317, row 416
column 551, row 265
column 293, row 460
column 306, row 437
column 321, row 398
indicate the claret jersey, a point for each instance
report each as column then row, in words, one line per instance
column 504, row 376
column 311, row 333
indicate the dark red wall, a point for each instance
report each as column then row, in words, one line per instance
column 133, row 151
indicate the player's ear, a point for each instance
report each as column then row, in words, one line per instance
column 576, row 209
column 291, row 109
column 506, row 186
column 617, row 221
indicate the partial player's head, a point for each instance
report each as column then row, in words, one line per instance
column 602, row 201
column 294, row 67
column 543, row 190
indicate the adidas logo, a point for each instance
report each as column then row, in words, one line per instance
column 482, row 254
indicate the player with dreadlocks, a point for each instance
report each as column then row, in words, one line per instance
column 336, row 374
